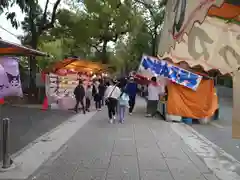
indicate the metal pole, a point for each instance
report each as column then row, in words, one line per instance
column 5, row 143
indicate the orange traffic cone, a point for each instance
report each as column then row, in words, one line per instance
column 1, row 101
column 45, row 104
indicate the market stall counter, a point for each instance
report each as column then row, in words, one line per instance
column 188, row 96
column 162, row 108
column 62, row 78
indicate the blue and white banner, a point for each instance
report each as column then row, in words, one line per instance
column 157, row 67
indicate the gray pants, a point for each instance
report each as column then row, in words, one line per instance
column 152, row 106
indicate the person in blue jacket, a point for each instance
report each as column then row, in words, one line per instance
column 131, row 90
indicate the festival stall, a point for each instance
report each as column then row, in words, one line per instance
column 62, row 78
column 10, row 84
column 181, row 84
column 190, row 36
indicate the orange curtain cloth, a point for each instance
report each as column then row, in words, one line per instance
column 11, row 50
column 227, row 11
column 193, row 104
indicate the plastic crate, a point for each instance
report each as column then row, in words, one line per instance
column 187, row 120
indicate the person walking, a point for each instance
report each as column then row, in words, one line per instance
column 123, row 103
column 96, row 95
column 88, row 97
column 101, row 89
column 131, row 90
column 154, row 92
column 112, row 94
column 79, row 93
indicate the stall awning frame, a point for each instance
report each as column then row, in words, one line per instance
column 78, row 65
column 12, row 49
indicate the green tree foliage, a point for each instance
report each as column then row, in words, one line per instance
column 113, row 31
column 4, row 6
column 97, row 24
column 36, row 22
column 154, row 17
column 142, row 39
column 128, row 50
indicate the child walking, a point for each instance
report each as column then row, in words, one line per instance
column 88, row 97
column 123, row 103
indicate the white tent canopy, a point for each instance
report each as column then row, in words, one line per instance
column 214, row 44
column 179, row 19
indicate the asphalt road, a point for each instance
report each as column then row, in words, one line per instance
column 220, row 131
column 27, row 124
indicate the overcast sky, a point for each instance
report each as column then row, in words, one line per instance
column 7, row 25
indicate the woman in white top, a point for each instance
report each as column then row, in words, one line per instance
column 112, row 94
column 154, row 92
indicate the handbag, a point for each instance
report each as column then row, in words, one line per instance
column 107, row 99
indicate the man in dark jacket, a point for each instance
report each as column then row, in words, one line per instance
column 101, row 89
column 96, row 95
column 131, row 89
column 79, row 93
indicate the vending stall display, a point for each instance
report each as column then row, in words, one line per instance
column 186, row 87
column 191, row 34
column 10, row 80
column 63, row 77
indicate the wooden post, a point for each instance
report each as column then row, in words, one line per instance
column 236, row 106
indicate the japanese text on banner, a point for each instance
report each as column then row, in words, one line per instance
column 173, row 73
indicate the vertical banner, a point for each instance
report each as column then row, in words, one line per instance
column 10, row 83
column 151, row 66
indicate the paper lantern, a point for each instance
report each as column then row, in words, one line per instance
column 62, row 72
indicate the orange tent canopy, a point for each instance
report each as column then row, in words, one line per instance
column 78, row 65
column 12, row 49
column 227, row 11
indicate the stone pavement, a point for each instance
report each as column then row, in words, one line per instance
column 141, row 149
column 27, row 124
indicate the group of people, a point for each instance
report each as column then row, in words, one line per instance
column 118, row 96
column 95, row 91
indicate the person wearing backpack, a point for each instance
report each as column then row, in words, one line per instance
column 123, row 103
column 79, row 93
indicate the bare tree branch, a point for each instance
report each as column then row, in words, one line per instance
column 150, row 7
column 53, row 18
column 44, row 17
column 95, row 47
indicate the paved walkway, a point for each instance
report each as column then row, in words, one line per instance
column 27, row 124
column 140, row 149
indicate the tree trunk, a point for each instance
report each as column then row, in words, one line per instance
column 153, row 46
column 154, row 41
column 104, row 52
column 33, row 92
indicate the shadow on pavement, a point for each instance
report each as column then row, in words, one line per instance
column 27, row 124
